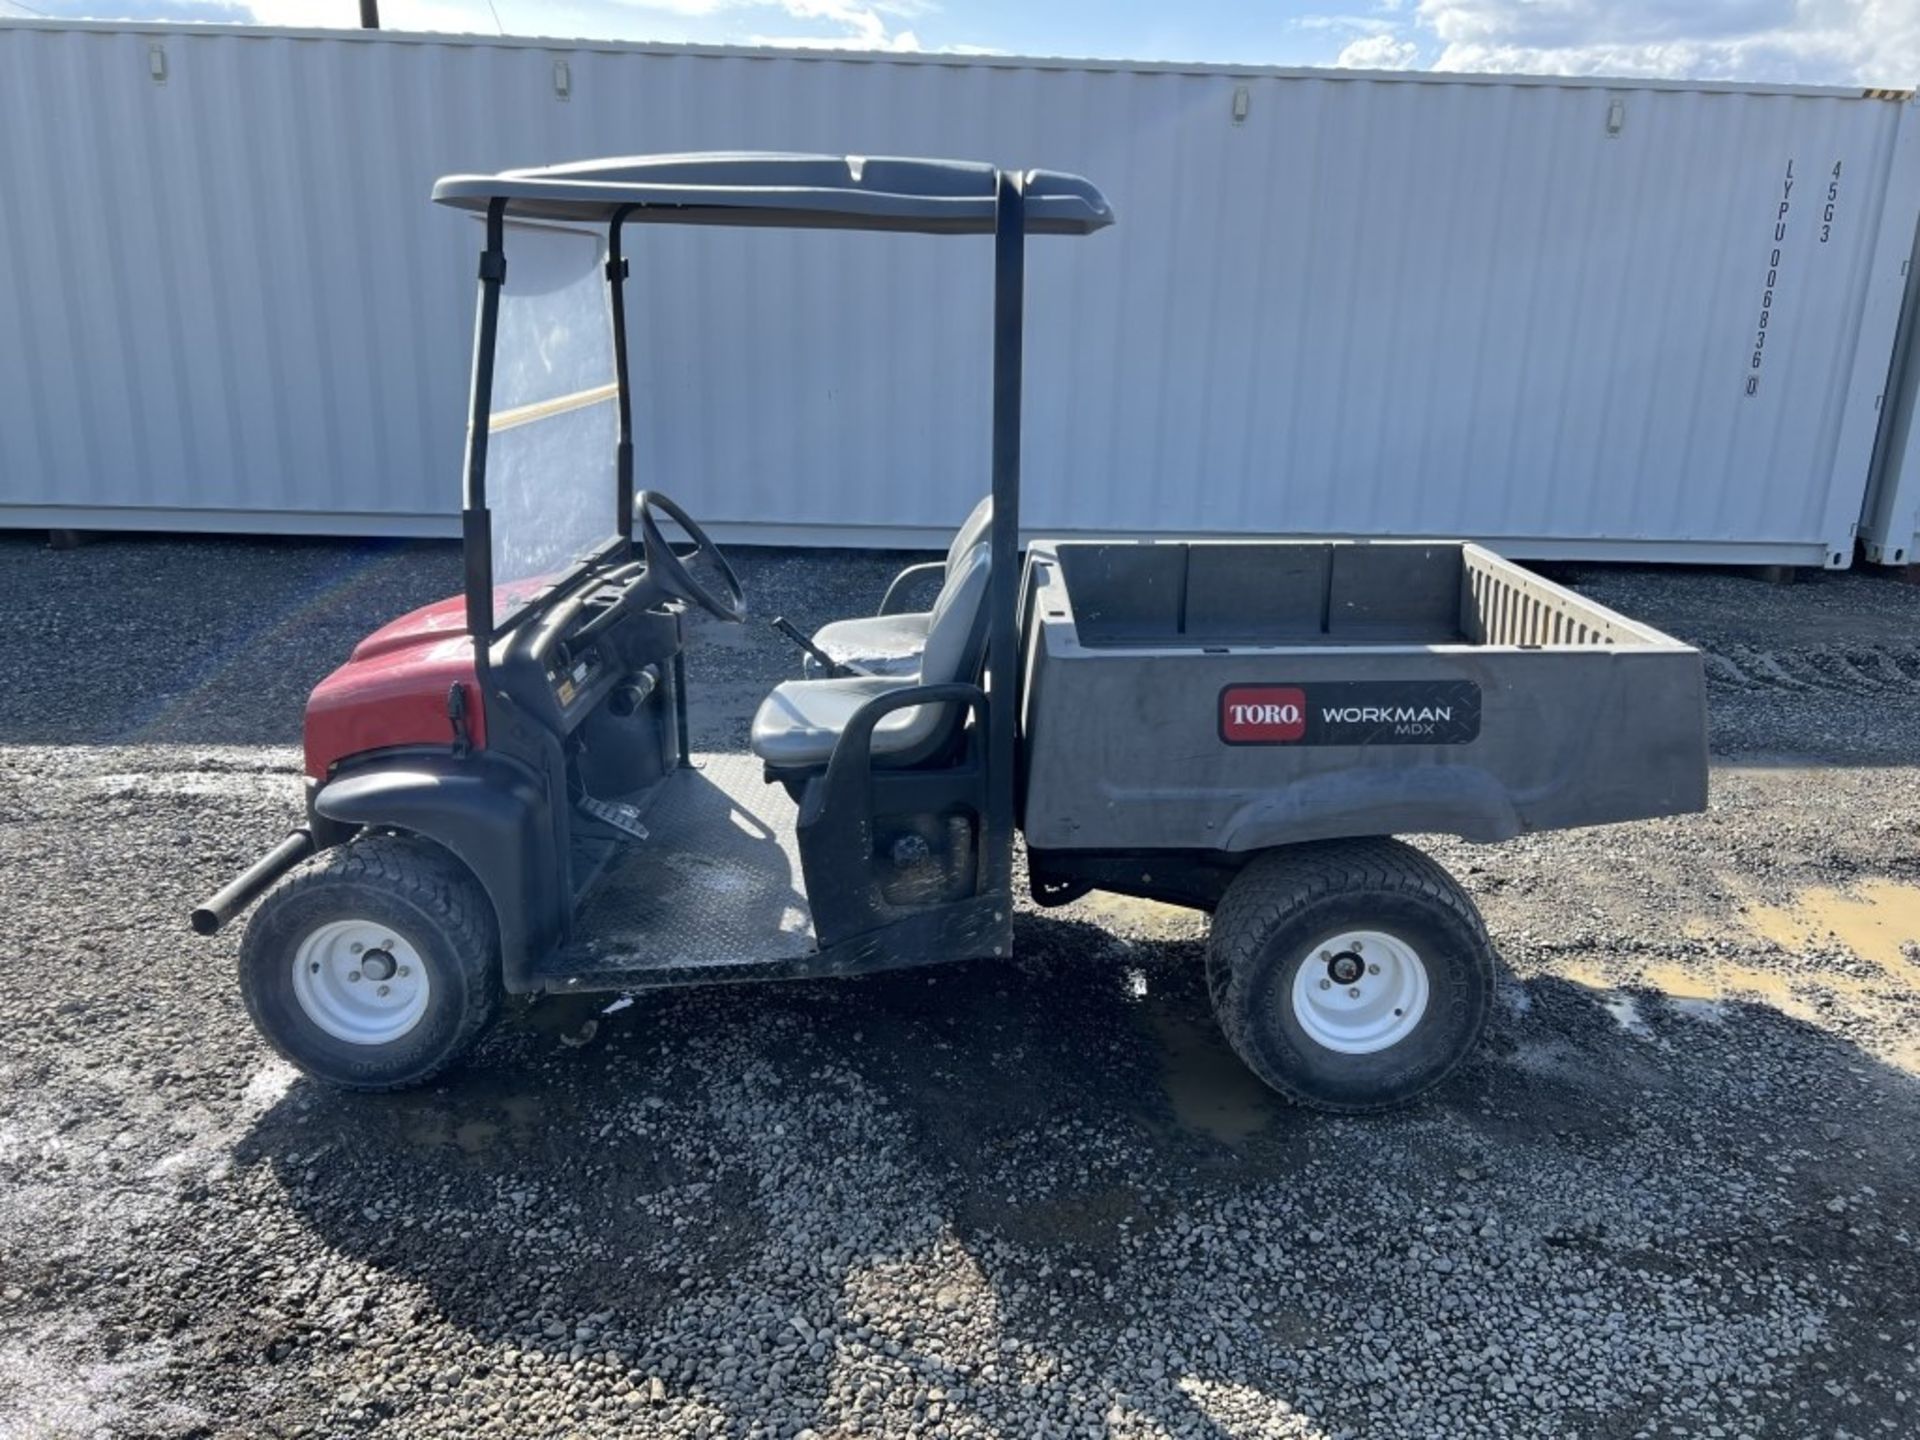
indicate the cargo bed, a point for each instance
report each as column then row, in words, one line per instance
column 1228, row 696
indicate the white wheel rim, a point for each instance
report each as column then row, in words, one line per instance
column 360, row 982
column 1360, row 991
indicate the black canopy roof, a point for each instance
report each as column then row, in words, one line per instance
column 839, row 192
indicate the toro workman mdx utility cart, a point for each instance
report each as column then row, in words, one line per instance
column 501, row 797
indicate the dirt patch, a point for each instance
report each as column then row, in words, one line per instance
column 1211, row 1092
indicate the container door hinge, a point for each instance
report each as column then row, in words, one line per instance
column 457, row 717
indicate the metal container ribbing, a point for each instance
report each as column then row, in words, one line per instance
column 1515, row 310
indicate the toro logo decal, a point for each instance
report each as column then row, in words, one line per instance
column 1262, row 714
column 1352, row 712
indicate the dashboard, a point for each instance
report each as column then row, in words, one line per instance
column 572, row 677
column 564, row 663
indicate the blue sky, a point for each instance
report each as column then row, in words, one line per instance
column 1869, row 42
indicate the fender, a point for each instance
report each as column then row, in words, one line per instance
column 1461, row 800
column 493, row 814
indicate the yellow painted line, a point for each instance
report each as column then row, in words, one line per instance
column 542, row 409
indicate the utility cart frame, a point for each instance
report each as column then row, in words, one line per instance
column 502, row 796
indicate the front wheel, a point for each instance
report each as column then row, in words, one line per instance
column 374, row 966
column 1351, row 976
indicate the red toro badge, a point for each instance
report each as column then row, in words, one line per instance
column 1262, row 714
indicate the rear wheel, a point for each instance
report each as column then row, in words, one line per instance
column 1351, row 976
column 374, row 966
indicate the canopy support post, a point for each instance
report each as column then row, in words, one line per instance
column 475, row 523
column 1003, row 640
column 623, row 451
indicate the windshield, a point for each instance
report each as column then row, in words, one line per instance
column 553, row 425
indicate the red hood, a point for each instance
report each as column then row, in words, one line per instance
column 393, row 689
column 442, row 620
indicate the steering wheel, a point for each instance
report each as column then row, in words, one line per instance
column 671, row 570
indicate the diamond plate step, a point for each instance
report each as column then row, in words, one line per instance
column 718, row 885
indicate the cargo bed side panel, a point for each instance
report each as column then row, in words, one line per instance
column 1238, row 748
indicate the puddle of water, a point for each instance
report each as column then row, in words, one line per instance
column 512, row 1118
column 1586, row 973
column 1625, row 1011
column 1710, row 1012
column 561, row 1015
column 1701, row 987
column 524, row 1115
column 1879, row 921
column 428, row 1129
column 1712, row 979
column 1211, row 1091
column 1608, row 982
column 1689, row 982
column 1129, row 912
column 475, row 1136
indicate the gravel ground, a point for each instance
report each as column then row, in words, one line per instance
column 1676, row 1194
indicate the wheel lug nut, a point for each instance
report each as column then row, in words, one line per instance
column 1354, row 993
column 1326, row 984
column 1326, row 955
column 1356, row 947
column 353, row 975
column 383, row 990
column 356, row 947
column 1373, row 969
column 403, row 972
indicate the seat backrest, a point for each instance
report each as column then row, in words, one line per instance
column 973, row 531
column 956, row 644
column 957, row 631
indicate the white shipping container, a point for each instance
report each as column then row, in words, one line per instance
column 1569, row 318
column 1890, row 521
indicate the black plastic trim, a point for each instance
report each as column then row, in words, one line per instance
column 974, row 929
column 1196, row 879
column 494, row 816
column 839, row 809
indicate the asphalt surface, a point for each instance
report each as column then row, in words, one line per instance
column 1676, row 1193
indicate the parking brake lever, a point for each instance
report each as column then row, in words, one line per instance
column 834, row 669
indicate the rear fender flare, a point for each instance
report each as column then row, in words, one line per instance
column 1461, row 800
column 492, row 815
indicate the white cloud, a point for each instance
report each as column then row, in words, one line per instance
column 1822, row 42
column 1830, row 42
column 901, row 42
column 852, row 26
column 1378, row 52
column 452, row 17
column 1364, row 24
column 856, row 24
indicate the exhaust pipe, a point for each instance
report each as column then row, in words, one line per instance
column 246, row 887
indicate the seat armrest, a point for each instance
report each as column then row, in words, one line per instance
column 894, row 601
column 850, row 768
